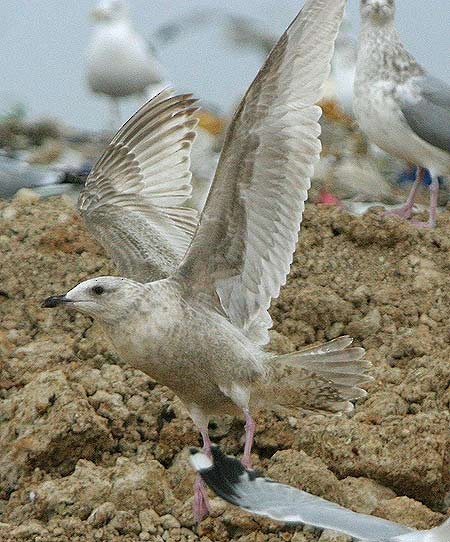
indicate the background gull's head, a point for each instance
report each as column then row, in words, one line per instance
column 110, row 10
column 106, row 299
column 379, row 11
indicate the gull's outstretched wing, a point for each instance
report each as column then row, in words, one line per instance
column 243, row 248
column 228, row 478
column 428, row 114
column 132, row 201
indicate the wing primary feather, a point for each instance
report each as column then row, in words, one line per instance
column 244, row 245
column 133, row 200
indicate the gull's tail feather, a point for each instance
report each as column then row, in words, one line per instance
column 324, row 378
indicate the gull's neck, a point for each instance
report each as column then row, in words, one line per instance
column 368, row 25
column 118, row 24
column 381, row 54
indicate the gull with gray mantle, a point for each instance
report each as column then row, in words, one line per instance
column 242, row 487
column 398, row 105
column 199, row 323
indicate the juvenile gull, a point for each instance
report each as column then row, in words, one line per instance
column 262, row 496
column 119, row 61
column 201, row 329
column 398, row 105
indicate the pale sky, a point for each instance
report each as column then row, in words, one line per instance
column 43, row 45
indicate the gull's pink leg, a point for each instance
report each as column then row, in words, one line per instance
column 250, row 427
column 201, row 506
column 434, row 194
column 406, row 210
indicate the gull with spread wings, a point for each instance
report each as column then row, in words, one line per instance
column 198, row 323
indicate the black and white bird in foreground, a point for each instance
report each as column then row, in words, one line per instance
column 400, row 107
column 229, row 479
column 119, row 61
column 198, row 322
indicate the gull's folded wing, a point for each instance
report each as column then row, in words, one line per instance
column 429, row 114
column 243, row 248
column 133, row 199
column 227, row 477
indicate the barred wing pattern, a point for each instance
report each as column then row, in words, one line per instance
column 133, row 199
column 243, row 248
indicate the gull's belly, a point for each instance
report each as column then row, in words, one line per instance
column 196, row 357
column 116, row 70
column 382, row 120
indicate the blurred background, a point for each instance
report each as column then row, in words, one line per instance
column 56, row 117
column 43, row 60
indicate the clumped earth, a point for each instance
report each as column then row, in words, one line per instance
column 95, row 450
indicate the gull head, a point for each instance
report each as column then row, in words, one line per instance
column 378, row 11
column 109, row 11
column 107, row 299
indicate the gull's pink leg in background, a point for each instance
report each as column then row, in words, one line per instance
column 434, row 194
column 406, row 210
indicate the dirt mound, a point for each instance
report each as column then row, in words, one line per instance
column 95, row 450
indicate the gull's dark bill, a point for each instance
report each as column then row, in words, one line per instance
column 54, row 300
column 229, row 479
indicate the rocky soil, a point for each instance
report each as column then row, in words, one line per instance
column 94, row 450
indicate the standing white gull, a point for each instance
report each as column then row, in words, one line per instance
column 202, row 330
column 398, row 105
column 264, row 497
column 119, row 61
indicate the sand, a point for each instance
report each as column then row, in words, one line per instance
column 95, row 450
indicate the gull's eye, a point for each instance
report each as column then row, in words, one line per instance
column 98, row 290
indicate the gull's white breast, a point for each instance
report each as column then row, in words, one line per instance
column 118, row 62
column 381, row 119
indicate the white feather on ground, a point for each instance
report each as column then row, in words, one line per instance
column 227, row 477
